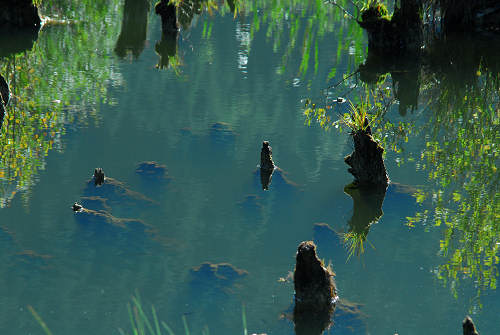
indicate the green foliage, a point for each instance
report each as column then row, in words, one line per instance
column 374, row 10
column 458, row 120
column 44, row 99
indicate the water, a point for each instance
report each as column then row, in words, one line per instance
column 205, row 119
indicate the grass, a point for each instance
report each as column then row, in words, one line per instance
column 357, row 119
column 141, row 323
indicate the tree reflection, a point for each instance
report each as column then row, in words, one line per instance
column 367, row 210
column 43, row 100
column 134, row 28
column 166, row 48
column 459, row 90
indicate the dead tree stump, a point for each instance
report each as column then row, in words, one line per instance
column 468, row 326
column 366, row 162
column 313, row 282
column 266, row 165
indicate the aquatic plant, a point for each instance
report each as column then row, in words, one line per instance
column 141, row 323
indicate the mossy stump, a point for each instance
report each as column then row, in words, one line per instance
column 168, row 14
column 366, row 161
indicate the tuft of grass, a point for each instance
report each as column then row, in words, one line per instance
column 142, row 324
column 357, row 119
column 39, row 320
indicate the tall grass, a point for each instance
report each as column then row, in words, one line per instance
column 141, row 323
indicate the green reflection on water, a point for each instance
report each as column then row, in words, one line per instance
column 457, row 93
column 60, row 81
column 292, row 32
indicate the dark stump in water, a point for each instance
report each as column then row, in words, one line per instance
column 266, row 165
column 315, row 292
column 266, row 157
column 313, row 282
column 98, row 176
column 366, row 162
column 167, row 12
column 468, row 326
column 19, row 14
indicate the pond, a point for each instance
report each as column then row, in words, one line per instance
column 183, row 221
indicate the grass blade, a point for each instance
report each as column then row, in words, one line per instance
column 167, row 328
column 155, row 319
column 186, row 329
column 39, row 320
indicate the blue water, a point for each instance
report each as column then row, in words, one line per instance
column 206, row 125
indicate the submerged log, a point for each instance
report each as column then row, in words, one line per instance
column 366, row 162
column 167, row 12
column 468, row 326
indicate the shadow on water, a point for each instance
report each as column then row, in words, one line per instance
column 97, row 223
column 118, row 195
column 277, row 181
column 17, row 259
column 210, row 288
column 134, row 28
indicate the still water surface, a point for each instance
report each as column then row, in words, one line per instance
column 205, row 120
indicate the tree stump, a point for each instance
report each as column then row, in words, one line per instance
column 468, row 326
column 313, row 282
column 266, row 165
column 315, row 292
column 98, row 177
column 366, row 162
